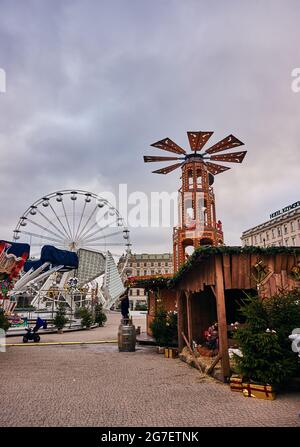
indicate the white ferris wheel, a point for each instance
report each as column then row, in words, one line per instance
column 77, row 221
column 73, row 219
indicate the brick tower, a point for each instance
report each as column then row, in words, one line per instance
column 196, row 211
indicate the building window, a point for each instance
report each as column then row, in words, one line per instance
column 159, row 264
column 260, row 238
column 279, row 231
column 267, row 235
column 138, row 292
column 190, row 174
column 298, row 224
column 152, row 272
column 137, row 273
column 130, row 292
column 152, row 264
column 293, row 241
column 145, row 264
column 273, row 233
column 137, row 264
column 167, row 271
column 255, row 239
column 292, row 226
column 166, row 264
column 159, row 271
column 280, row 243
column 285, row 229
column 286, row 241
column 145, row 272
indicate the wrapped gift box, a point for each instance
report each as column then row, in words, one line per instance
column 236, row 383
column 171, row 353
column 259, row 391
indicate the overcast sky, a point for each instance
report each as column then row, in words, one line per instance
column 92, row 83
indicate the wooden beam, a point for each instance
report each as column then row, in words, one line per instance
column 221, row 312
column 180, row 311
column 210, row 369
column 227, row 272
column 189, row 316
column 198, row 363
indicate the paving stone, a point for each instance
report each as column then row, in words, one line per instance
column 95, row 385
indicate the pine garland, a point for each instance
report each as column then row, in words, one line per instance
column 161, row 282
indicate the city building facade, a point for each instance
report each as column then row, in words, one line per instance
column 282, row 229
column 146, row 265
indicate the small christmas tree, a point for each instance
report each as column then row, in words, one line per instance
column 263, row 340
column 86, row 317
column 164, row 328
column 100, row 317
column 60, row 319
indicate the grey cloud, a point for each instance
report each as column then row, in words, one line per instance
column 91, row 84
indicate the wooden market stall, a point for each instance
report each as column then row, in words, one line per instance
column 211, row 285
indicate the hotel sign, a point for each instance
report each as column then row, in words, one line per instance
column 285, row 210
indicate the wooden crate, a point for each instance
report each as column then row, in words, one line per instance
column 236, row 383
column 259, row 391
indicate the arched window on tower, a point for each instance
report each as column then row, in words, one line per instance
column 205, row 211
column 200, row 205
column 201, row 209
column 213, row 216
column 199, row 179
column 190, row 177
column 189, row 214
column 188, row 251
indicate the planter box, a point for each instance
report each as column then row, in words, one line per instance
column 236, row 383
column 259, row 391
column 171, row 353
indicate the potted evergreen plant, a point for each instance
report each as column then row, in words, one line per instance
column 60, row 319
column 164, row 329
column 86, row 318
column 100, row 317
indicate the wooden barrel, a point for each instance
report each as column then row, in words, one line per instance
column 126, row 337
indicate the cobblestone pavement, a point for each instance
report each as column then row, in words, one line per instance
column 95, row 385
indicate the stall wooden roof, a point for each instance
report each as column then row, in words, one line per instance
column 243, row 268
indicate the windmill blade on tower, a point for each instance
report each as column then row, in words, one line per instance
column 233, row 157
column 167, row 169
column 198, row 139
column 215, row 169
column 226, row 143
column 168, row 145
column 154, row 158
